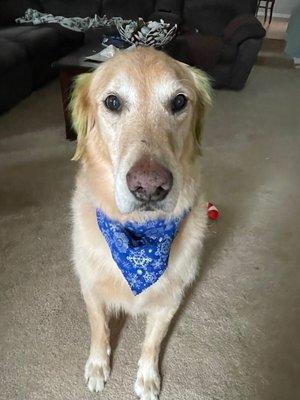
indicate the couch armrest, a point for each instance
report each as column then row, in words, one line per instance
column 243, row 27
column 246, row 58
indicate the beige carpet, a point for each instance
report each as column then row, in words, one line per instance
column 272, row 55
column 237, row 335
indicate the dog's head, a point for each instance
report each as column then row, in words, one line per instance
column 139, row 119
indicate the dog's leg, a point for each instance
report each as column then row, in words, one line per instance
column 147, row 385
column 97, row 367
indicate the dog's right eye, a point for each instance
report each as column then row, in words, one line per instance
column 113, row 103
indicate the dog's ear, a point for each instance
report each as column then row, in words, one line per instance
column 81, row 113
column 202, row 89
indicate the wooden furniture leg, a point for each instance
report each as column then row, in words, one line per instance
column 271, row 12
column 66, row 79
column 266, row 11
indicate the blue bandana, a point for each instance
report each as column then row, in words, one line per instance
column 140, row 250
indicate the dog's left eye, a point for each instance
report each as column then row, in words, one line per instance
column 113, row 103
column 178, row 103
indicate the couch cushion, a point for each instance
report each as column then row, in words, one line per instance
column 67, row 36
column 72, row 8
column 171, row 6
column 15, row 84
column 167, row 17
column 11, row 53
column 41, row 45
column 207, row 17
column 252, row 6
column 12, row 9
column 204, row 51
column 13, row 31
column 132, row 9
column 39, row 40
column 196, row 49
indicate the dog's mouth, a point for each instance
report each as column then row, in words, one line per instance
column 149, row 206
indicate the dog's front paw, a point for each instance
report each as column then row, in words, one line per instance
column 96, row 373
column 147, row 384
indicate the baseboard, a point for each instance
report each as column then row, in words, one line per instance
column 275, row 15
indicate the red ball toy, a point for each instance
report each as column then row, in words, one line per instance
column 212, row 211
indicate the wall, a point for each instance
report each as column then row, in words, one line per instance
column 285, row 6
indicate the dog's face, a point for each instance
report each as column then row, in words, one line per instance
column 145, row 110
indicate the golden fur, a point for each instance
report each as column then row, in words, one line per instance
column 107, row 146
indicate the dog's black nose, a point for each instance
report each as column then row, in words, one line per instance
column 148, row 180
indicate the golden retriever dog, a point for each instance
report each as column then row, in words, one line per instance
column 138, row 119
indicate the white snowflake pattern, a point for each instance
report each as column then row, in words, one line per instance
column 139, row 259
column 107, row 237
column 150, row 224
column 150, row 277
column 121, row 241
column 113, row 227
column 169, row 226
column 134, row 280
column 154, row 233
column 157, row 264
column 116, row 257
column 164, row 246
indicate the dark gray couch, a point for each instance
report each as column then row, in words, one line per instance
column 220, row 36
column 27, row 52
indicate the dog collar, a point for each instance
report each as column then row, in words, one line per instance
column 140, row 249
